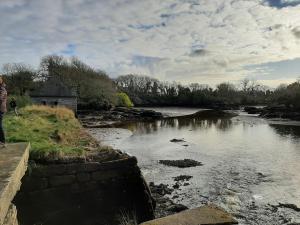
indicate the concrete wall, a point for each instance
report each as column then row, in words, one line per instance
column 83, row 193
column 13, row 164
column 70, row 102
column 11, row 216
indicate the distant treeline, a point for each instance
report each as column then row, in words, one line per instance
column 95, row 89
column 146, row 91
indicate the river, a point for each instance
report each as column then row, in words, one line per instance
column 250, row 165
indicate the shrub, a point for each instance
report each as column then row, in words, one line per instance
column 123, row 100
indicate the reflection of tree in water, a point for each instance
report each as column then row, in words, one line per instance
column 179, row 123
column 284, row 130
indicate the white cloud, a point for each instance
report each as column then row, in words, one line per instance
column 186, row 40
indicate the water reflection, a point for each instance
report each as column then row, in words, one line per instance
column 287, row 131
column 179, row 123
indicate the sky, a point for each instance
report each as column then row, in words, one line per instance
column 204, row 41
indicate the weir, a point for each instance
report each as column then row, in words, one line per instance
column 13, row 165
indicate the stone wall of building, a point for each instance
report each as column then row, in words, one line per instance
column 83, row 193
column 69, row 102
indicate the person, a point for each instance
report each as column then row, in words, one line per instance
column 13, row 105
column 3, row 109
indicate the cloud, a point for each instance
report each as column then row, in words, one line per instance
column 296, row 32
column 187, row 40
column 199, row 52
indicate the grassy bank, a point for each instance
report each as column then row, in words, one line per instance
column 52, row 132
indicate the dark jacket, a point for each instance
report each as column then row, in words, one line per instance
column 13, row 104
column 3, row 98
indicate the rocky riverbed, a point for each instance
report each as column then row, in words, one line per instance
column 278, row 111
column 165, row 195
column 115, row 116
column 250, row 165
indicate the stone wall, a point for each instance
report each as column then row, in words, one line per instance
column 83, row 193
column 69, row 102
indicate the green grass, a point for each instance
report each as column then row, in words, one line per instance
column 52, row 132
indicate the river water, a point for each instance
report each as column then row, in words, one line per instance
column 250, row 165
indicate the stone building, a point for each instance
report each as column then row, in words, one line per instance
column 55, row 93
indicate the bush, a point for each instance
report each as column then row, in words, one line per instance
column 123, row 100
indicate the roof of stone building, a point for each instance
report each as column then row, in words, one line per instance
column 54, row 88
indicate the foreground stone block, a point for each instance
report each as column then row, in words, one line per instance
column 11, row 216
column 205, row 215
column 13, row 165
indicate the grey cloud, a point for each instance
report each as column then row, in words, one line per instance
column 275, row 27
column 199, row 52
column 296, row 32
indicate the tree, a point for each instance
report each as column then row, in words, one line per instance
column 123, row 100
column 245, row 85
column 94, row 88
column 19, row 78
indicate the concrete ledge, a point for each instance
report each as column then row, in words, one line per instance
column 11, row 216
column 205, row 215
column 13, row 165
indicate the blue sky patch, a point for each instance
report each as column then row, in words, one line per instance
column 276, row 70
column 70, row 50
column 282, row 3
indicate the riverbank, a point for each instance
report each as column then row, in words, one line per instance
column 275, row 112
column 54, row 133
column 116, row 116
column 120, row 115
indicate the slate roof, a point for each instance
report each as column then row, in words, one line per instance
column 54, row 88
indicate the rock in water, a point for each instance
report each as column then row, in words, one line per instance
column 161, row 189
column 183, row 178
column 177, row 140
column 181, row 163
column 177, row 208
